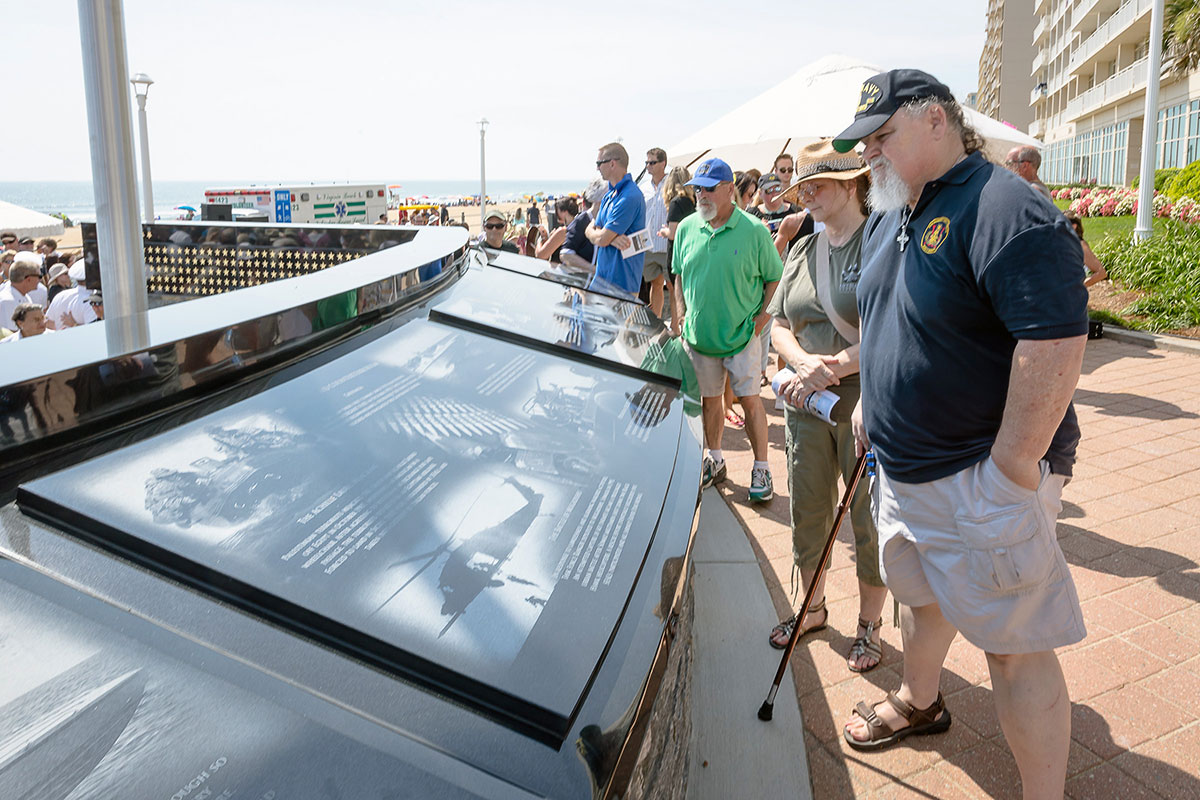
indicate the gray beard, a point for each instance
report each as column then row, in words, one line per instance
column 707, row 211
column 888, row 191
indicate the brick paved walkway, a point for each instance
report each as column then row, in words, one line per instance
column 1131, row 532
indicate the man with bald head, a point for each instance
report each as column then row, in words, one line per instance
column 1025, row 161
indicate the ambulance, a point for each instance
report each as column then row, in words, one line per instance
column 329, row 203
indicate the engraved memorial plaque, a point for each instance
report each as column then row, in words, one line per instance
column 462, row 511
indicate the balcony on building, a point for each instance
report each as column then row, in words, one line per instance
column 1039, row 31
column 1090, row 13
column 1037, row 94
column 1118, row 87
column 1127, row 26
column 1040, row 60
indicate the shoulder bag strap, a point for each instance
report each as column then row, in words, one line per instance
column 848, row 331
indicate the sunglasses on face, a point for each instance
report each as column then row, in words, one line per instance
column 495, row 226
column 786, row 170
column 600, row 164
column 652, row 163
column 710, row 189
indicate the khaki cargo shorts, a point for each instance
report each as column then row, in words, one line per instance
column 741, row 367
column 985, row 550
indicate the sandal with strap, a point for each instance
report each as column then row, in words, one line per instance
column 921, row 722
column 866, row 646
column 735, row 419
column 784, row 629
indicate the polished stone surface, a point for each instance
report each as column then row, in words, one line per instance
column 95, row 703
column 447, row 506
column 577, row 320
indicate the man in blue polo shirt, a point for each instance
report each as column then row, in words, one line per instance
column 622, row 212
column 973, row 331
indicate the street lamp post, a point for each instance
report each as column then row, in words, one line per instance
column 141, row 87
column 483, row 123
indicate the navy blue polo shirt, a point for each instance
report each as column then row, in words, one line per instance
column 622, row 211
column 988, row 262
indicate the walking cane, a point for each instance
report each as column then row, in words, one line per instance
column 767, row 709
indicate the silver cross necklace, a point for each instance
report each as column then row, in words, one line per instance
column 903, row 237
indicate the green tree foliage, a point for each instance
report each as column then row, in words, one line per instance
column 1181, row 36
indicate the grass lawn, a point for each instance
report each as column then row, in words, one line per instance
column 1097, row 228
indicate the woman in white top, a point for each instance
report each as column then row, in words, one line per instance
column 30, row 320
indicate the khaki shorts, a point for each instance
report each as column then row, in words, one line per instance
column 742, row 368
column 656, row 265
column 984, row 549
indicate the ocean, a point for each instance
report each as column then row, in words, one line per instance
column 75, row 198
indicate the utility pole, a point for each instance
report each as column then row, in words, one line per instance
column 1145, row 216
column 114, row 177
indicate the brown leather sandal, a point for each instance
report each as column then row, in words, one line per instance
column 866, row 646
column 783, row 631
column 921, row 722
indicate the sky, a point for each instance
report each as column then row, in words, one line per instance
column 392, row 90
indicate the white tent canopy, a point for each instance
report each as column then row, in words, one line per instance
column 817, row 101
column 24, row 222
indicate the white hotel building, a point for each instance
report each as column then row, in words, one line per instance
column 1089, row 92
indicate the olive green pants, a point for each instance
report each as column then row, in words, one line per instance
column 817, row 452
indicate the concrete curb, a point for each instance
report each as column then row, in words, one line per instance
column 734, row 754
column 1177, row 344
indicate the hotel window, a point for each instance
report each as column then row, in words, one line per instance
column 1193, row 143
column 1172, row 136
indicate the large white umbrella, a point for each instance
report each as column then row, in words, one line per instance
column 817, row 101
column 24, row 222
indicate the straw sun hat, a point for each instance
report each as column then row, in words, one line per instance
column 820, row 160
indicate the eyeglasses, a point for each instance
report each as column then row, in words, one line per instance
column 786, row 170
column 711, row 189
column 600, row 164
column 495, row 226
column 811, row 188
column 652, row 163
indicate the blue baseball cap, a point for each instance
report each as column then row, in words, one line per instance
column 710, row 173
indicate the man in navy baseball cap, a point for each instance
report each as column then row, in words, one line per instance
column 883, row 95
column 710, row 173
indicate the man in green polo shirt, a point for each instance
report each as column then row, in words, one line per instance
column 726, row 269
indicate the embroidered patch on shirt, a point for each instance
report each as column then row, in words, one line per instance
column 935, row 233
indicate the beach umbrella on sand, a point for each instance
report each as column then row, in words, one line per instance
column 818, row 100
column 185, row 208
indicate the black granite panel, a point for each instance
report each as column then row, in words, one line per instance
column 592, row 325
column 464, row 512
column 97, row 704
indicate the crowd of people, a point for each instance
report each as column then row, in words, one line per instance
column 938, row 302
column 41, row 289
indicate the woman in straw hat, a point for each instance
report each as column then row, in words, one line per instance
column 816, row 333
